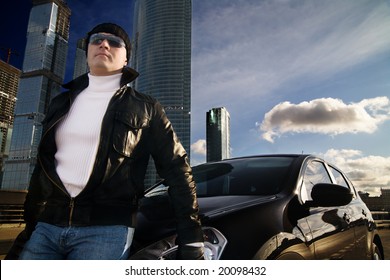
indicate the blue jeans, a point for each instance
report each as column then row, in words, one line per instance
column 49, row 242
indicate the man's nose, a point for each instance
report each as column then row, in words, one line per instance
column 104, row 43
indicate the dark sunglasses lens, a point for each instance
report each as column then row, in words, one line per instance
column 98, row 39
column 113, row 43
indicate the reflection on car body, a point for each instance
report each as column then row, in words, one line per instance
column 266, row 207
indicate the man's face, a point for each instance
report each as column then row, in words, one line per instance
column 106, row 54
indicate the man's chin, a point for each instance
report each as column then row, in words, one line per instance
column 104, row 71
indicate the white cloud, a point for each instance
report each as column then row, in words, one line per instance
column 199, row 147
column 368, row 173
column 326, row 116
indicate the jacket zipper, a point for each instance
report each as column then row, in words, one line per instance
column 39, row 158
column 71, row 206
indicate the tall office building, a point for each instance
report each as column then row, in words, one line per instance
column 80, row 61
column 9, row 82
column 43, row 73
column 218, row 134
column 162, row 56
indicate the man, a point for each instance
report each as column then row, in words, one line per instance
column 96, row 142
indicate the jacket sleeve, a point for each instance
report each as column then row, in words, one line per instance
column 172, row 165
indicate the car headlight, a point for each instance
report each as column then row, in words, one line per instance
column 166, row 249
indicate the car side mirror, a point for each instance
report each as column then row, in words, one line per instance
column 328, row 195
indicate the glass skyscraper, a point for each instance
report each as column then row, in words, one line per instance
column 43, row 73
column 9, row 82
column 218, row 134
column 162, row 56
column 80, row 61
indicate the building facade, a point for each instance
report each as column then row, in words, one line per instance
column 377, row 203
column 80, row 61
column 162, row 55
column 9, row 82
column 42, row 75
column 218, row 134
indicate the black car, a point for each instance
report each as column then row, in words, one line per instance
column 266, row 207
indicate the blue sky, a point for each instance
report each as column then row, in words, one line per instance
column 296, row 76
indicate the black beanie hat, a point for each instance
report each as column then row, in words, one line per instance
column 114, row 29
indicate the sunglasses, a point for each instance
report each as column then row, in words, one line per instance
column 114, row 41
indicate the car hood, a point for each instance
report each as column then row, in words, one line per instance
column 155, row 217
column 212, row 207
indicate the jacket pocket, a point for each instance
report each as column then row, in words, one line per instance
column 128, row 129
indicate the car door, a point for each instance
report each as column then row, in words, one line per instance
column 331, row 233
column 358, row 215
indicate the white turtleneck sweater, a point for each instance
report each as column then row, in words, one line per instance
column 78, row 135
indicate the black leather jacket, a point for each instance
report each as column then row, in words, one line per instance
column 134, row 127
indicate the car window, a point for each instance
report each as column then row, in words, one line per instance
column 250, row 176
column 339, row 178
column 247, row 176
column 314, row 173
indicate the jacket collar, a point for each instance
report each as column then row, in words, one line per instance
column 128, row 75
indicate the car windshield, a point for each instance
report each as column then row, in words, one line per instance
column 247, row 176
